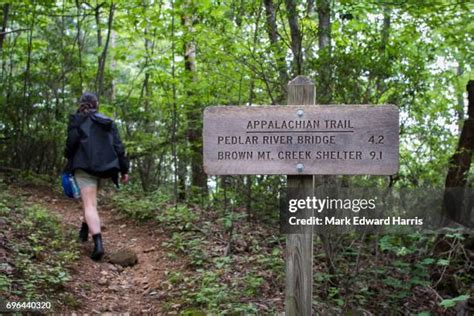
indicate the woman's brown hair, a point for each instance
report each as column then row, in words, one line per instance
column 88, row 103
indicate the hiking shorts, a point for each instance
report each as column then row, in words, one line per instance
column 85, row 179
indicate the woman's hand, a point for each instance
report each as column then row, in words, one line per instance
column 124, row 178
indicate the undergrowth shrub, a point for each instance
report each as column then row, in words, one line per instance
column 39, row 251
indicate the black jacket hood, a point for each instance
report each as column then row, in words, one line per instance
column 78, row 118
column 102, row 120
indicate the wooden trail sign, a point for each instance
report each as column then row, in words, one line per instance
column 301, row 139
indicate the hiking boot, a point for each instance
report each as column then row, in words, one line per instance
column 84, row 232
column 98, row 247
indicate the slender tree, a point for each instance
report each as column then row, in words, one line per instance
column 193, row 107
column 5, row 10
column 103, row 55
column 460, row 164
column 324, row 91
column 276, row 46
column 296, row 37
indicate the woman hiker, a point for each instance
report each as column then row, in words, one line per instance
column 94, row 151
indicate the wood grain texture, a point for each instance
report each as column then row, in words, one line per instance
column 299, row 255
column 275, row 139
column 299, row 247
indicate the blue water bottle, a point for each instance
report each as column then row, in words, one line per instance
column 76, row 192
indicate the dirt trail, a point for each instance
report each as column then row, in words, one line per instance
column 102, row 286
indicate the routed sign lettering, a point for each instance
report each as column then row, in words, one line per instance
column 322, row 139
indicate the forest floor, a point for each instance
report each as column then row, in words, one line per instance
column 102, row 286
column 188, row 261
column 185, row 260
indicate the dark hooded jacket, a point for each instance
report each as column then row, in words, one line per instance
column 93, row 145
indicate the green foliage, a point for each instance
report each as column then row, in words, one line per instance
column 5, row 283
column 418, row 63
column 395, row 244
column 403, row 264
column 40, row 249
column 138, row 205
column 218, row 284
column 448, row 303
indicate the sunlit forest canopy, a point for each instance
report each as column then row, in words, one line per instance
column 156, row 64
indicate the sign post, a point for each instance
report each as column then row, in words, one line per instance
column 299, row 247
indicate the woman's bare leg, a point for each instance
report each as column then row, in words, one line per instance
column 89, row 201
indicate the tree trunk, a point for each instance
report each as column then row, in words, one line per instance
column 23, row 147
column 309, row 7
column 279, row 54
column 79, row 46
column 103, row 55
column 324, row 39
column 380, row 86
column 460, row 164
column 99, row 39
column 324, row 96
column 193, row 108
column 6, row 9
column 460, row 98
column 97, row 24
column 385, row 28
column 181, row 170
column 174, row 131
column 248, row 197
column 295, row 37
column 147, row 165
